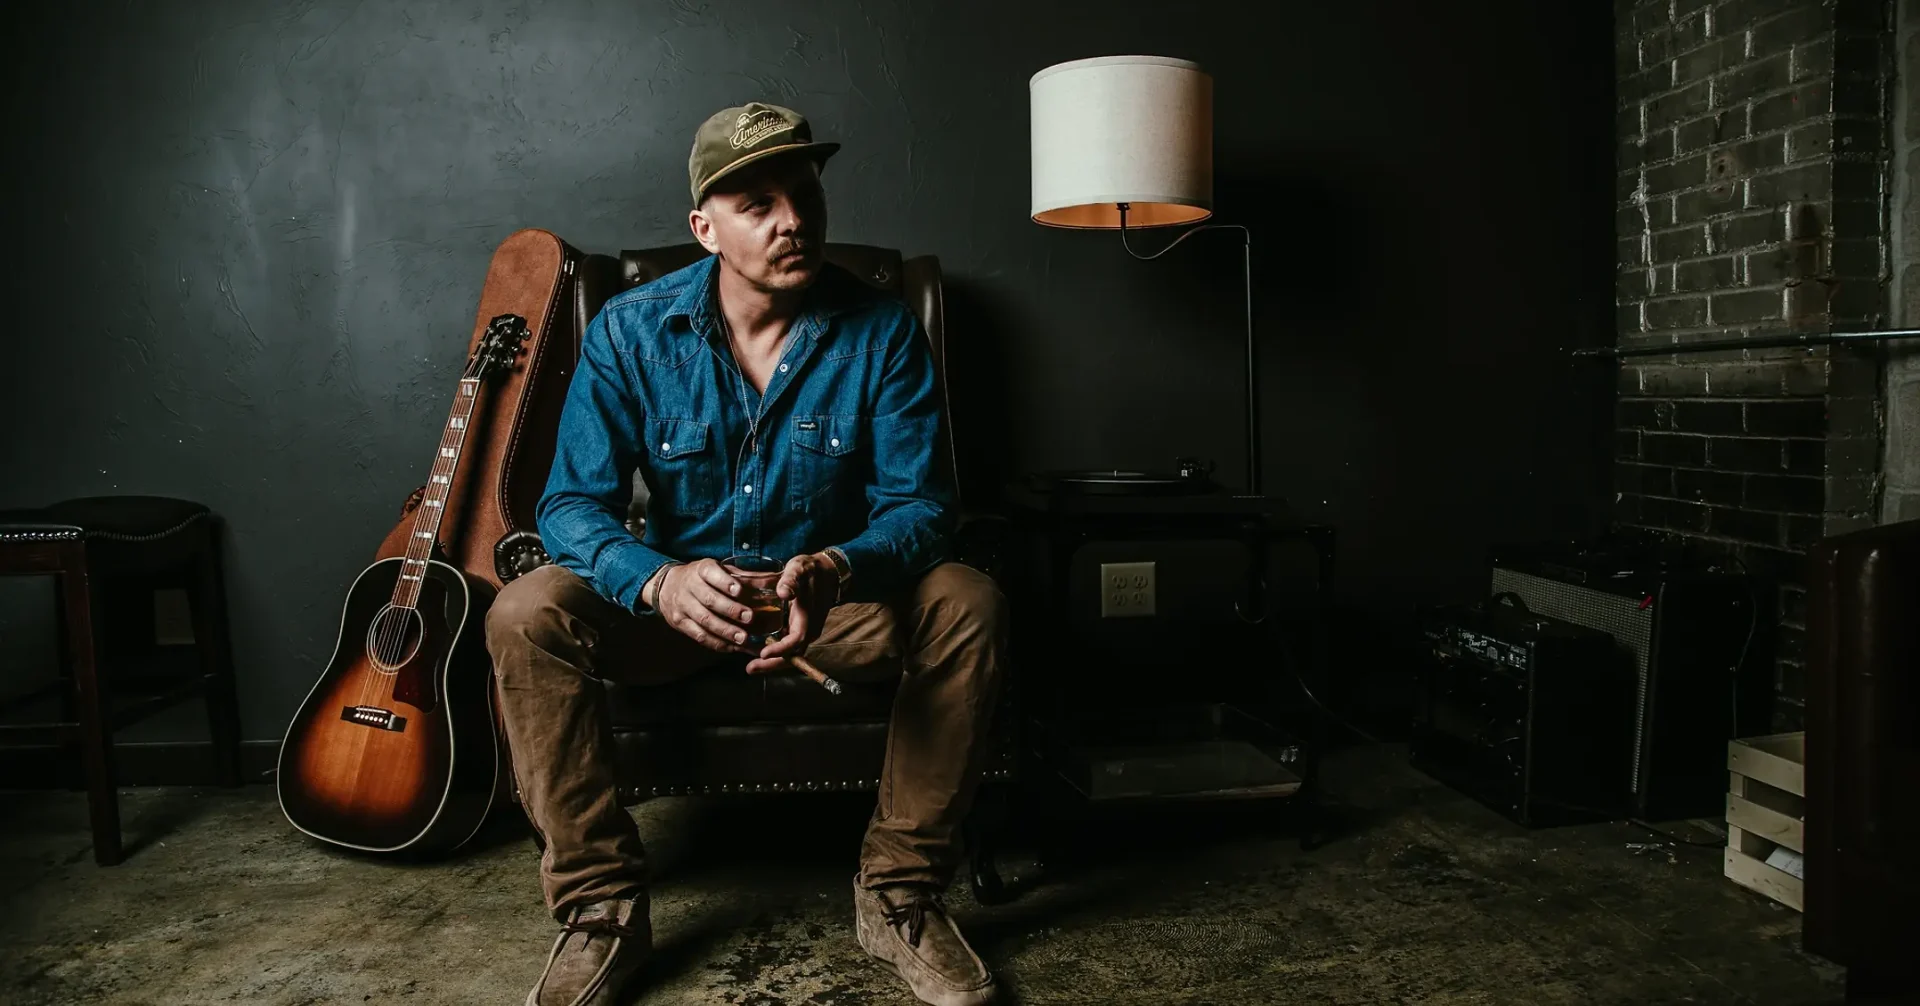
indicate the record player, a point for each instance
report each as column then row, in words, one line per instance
column 1191, row 476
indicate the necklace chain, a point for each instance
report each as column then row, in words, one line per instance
column 740, row 371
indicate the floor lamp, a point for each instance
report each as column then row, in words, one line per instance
column 1126, row 142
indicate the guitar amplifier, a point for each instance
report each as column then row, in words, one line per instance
column 1700, row 660
column 1528, row 714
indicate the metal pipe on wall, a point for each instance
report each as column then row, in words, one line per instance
column 1809, row 339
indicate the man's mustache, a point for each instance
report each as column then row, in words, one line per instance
column 785, row 248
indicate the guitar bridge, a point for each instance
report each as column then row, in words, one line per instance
column 374, row 716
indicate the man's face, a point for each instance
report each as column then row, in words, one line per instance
column 768, row 222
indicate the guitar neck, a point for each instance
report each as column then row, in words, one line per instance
column 433, row 503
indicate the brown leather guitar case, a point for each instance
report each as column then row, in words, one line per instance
column 488, row 530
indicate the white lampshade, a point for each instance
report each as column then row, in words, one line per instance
column 1122, row 129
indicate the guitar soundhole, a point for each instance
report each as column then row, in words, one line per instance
column 393, row 638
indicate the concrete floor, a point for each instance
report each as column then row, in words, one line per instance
column 1428, row 899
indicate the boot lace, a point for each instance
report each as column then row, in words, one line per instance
column 911, row 913
column 605, row 925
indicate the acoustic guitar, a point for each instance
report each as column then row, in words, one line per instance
column 394, row 749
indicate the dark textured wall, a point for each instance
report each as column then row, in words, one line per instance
column 1753, row 168
column 254, row 234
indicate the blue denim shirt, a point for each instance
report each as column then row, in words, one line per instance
column 842, row 450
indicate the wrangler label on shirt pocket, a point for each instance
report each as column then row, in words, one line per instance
column 682, row 474
column 824, row 461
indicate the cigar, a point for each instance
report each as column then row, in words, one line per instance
column 807, row 668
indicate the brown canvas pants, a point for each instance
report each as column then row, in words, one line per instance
column 552, row 637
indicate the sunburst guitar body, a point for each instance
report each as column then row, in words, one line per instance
column 394, row 749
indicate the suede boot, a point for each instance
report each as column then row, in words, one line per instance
column 600, row 946
column 906, row 928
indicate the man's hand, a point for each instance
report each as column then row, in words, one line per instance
column 697, row 599
column 810, row 584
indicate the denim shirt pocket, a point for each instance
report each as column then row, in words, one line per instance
column 684, row 468
column 823, row 461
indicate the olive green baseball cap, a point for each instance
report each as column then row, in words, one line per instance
column 733, row 138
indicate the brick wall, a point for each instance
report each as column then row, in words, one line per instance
column 1751, row 172
column 1902, row 465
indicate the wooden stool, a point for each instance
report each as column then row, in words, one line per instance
column 86, row 543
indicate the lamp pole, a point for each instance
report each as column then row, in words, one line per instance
column 1253, row 373
column 1253, row 359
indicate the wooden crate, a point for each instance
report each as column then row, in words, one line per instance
column 1766, row 809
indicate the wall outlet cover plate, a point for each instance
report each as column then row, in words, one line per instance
column 1126, row 589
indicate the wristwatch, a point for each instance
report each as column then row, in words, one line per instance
column 841, row 568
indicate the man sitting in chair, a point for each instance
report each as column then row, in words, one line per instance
column 776, row 405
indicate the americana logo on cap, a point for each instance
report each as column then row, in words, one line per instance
column 752, row 127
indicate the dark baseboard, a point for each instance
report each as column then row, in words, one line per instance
column 159, row 763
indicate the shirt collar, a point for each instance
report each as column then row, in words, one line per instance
column 695, row 302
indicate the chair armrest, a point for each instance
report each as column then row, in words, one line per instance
column 979, row 540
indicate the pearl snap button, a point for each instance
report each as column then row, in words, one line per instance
column 783, row 368
column 748, row 489
column 666, row 447
column 834, row 442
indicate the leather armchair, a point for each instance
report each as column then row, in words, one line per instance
column 1863, row 757
column 730, row 733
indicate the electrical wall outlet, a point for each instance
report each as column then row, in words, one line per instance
column 1126, row 589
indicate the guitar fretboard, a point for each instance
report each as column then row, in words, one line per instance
column 433, row 503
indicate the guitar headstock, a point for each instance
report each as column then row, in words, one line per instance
column 505, row 339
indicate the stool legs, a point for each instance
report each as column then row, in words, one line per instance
column 69, row 704
column 209, row 603
column 80, row 606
